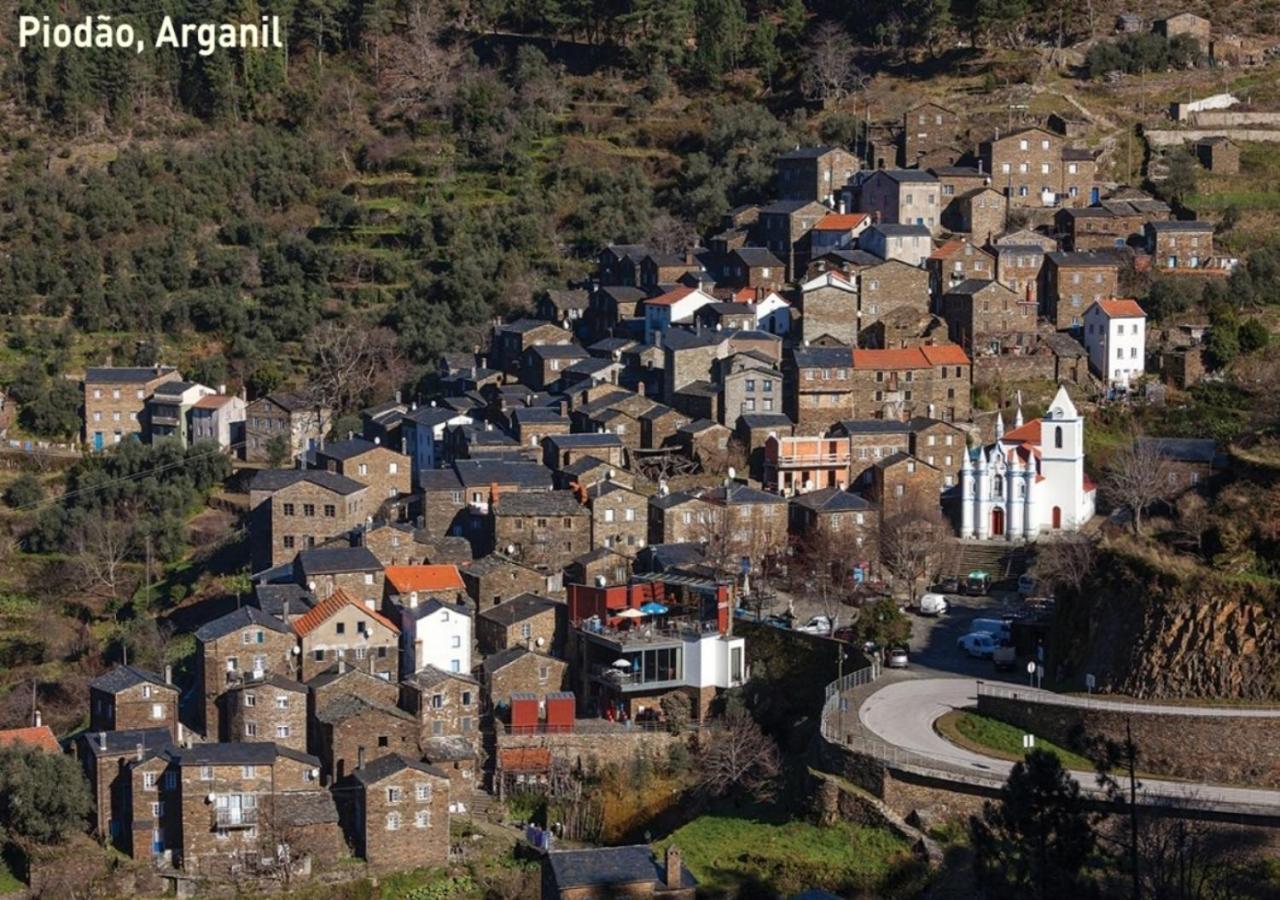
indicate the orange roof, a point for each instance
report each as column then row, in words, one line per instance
column 524, row 759
column 39, row 736
column 840, row 221
column 331, row 606
column 1089, row 484
column 212, row 401
column 406, row 579
column 946, row 249
column 1121, row 308
column 945, row 355
column 1026, row 433
column 670, row 297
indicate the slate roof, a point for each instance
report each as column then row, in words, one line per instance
column 601, row 866
column 123, row 374
column 872, row 426
column 559, row 351
column 975, row 286
column 151, row 739
column 232, row 753
column 386, row 766
column 580, row 441
column 538, row 414
column 430, row 676
column 450, row 748
column 275, row 479
column 303, row 808
column 758, row 256
column 1181, row 226
column 121, row 678
column 431, row 416
column 483, row 472
column 909, row 176
column 336, row 560
column 765, row 420
column 572, row 299
column 785, row 207
column 808, row 152
column 832, row 500
column 1082, row 258
column 675, row 498
column 893, row 229
column 347, row 449
column 544, row 503
column 174, row 389
column 741, row 494
column 344, row 706
column 660, row 557
column 517, row 609
column 244, row 617
column 1201, row 450
column 822, row 357
column 522, row 326
column 496, row 662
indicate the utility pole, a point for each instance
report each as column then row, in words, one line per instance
column 148, row 541
column 1131, row 754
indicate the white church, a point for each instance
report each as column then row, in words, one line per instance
column 1031, row 480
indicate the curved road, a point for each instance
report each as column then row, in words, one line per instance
column 902, row 714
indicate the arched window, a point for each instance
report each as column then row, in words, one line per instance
column 997, row 486
column 1057, row 437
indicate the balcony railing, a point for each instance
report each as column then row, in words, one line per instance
column 813, row 459
column 235, row 818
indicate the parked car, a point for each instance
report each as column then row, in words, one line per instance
column 978, row 644
column 896, row 658
column 977, row 583
column 816, row 625
column 948, row 585
column 845, row 633
column 1005, row 658
column 1000, row 629
column 1026, row 584
column 932, row 605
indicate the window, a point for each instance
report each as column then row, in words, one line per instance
column 330, row 511
column 898, row 490
column 608, row 515
column 1057, row 437
column 308, row 509
column 149, row 780
column 282, row 702
column 206, row 773
column 423, row 791
column 363, row 468
column 393, row 821
column 248, row 771
column 362, row 652
column 318, row 655
column 466, row 698
column 170, row 781
column 250, row 729
column 421, row 819
column 394, row 795
column 526, row 631
column 455, row 641
column 250, row 700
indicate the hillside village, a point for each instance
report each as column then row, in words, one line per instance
column 701, row 483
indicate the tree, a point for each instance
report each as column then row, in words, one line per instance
column 1064, row 563
column 1179, row 184
column 1137, row 476
column 1036, row 839
column 1253, row 336
column 740, row 757
column 44, row 797
column 416, row 65
column 26, row 491
column 102, row 545
column 913, row 547
column 830, row 73
column 278, row 450
column 820, row 567
column 352, row 365
column 721, row 32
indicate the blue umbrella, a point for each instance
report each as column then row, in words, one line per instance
column 653, row 608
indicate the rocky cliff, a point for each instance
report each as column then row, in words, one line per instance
column 1151, row 627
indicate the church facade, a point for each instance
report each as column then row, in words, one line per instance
column 1031, row 480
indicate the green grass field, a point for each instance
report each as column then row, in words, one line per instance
column 730, row 854
column 999, row 739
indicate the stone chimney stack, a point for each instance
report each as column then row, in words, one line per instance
column 673, row 868
column 36, row 718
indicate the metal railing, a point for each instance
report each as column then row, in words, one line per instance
column 235, row 818
column 1128, row 705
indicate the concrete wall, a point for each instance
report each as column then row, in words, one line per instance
column 1167, row 137
column 1238, row 749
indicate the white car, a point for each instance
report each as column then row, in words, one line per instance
column 978, row 644
column 896, row 658
column 816, row 625
column 932, row 605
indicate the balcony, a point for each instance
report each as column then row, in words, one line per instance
column 812, row 459
column 627, row 682
column 229, row 817
column 639, row 636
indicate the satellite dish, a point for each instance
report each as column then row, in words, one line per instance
column 511, row 549
column 541, row 641
column 294, row 650
column 600, row 582
column 732, row 472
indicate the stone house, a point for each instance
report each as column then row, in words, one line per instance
column 1191, row 462
column 889, row 286
column 836, row 231
column 235, row 646
column 455, row 500
column 456, row 757
column 115, row 402
column 657, row 268
column 1179, row 245
column 1097, row 227
column 1033, row 167
column 1018, row 268
column 352, row 731
column 818, row 387
column 384, row 471
column 283, row 425
column 129, row 698
column 939, row 444
column 562, row 449
column 612, row 305
column 446, row 704
column 903, row 327
column 342, row 629
column 296, row 509
column 543, row 530
column 521, row 670
column 841, row 517
column 868, row 441
column 218, row 419
column 544, row 365
column 813, row 173
column 619, row 517
column 270, row 708
column 352, row 569
column 902, row 197
column 829, row 305
column 512, row 339
column 168, row 414
column 1074, row 281
column 395, row 813
column 676, row 518
column 619, row 264
column 601, row 562
column 397, row 543
column 931, row 381
column 983, row 316
column 533, row 423
column 981, row 213
column 749, row 384
column 930, row 129
column 564, row 308
column 609, row 872
column 910, row 244
column 955, row 261
column 753, row 430
column 727, row 316
column 747, row 521
column 956, row 181
column 1185, row 23
column 754, row 268
column 901, row 483
column 105, row 757
column 497, row 577
column 658, row 426
column 527, row 620
column 1219, row 154
column 783, row 227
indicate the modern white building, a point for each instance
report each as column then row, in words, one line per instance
column 673, row 307
column 1031, row 480
column 434, row 633
column 422, row 431
column 1115, row 335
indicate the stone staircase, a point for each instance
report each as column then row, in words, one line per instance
column 1003, row 562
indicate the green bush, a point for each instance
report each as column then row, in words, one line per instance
column 25, row 491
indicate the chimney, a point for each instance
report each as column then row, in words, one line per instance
column 137, row 750
column 674, row 878
column 36, row 719
column 640, row 387
column 222, row 389
column 397, row 396
column 563, row 405
column 168, row 674
column 102, row 740
column 342, row 667
column 359, row 758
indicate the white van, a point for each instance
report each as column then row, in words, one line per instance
column 1000, row 629
column 932, row 605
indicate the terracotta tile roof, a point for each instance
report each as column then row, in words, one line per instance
column 326, row 609
column 40, row 737
column 1027, row 433
column 212, row 401
column 670, row 297
column 406, row 579
column 947, row 249
column 945, row 355
column 1121, row 308
column 524, row 759
column 840, row 221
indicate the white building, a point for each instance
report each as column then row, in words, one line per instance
column 677, row 306
column 773, row 314
column 434, row 633
column 1115, row 334
column 1030, row 480
column 422, row 431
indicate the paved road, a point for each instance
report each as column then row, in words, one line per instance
column 902, row 714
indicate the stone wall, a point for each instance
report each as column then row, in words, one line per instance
column 615, row 745
column 1236, row 749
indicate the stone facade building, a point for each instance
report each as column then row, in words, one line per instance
column 955, row 261
column 517, row 670
column 619, row 517
column 931, row 135
column 234, row 647
column 270, row 708
column 819, row 387
column 295, row 509
column 1032, row 167
column 446, row 704
column 342, row 629
column 902, row 483
column 384, row 471
column 543, row 530
column 814, row 173
column 115, row 402
column 902, row 197
column 1179, row 245
column 527, row 620
column 982, row 213
column 930, row 381
column 1074, row 281
column 496, row 577
column 395, row 812
column 352, row 731
column 984, row 316
column 283, row 426
column 129, row 698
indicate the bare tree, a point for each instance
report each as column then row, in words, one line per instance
column 102, row 545
column 1065, row 562
column 1138, row 476
column 830, row 73
column 286, row 849
column 668, row 234
column 416, row 63
column 740, row 757
column 913, row 547
column 350, row 364
column 820, row 564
